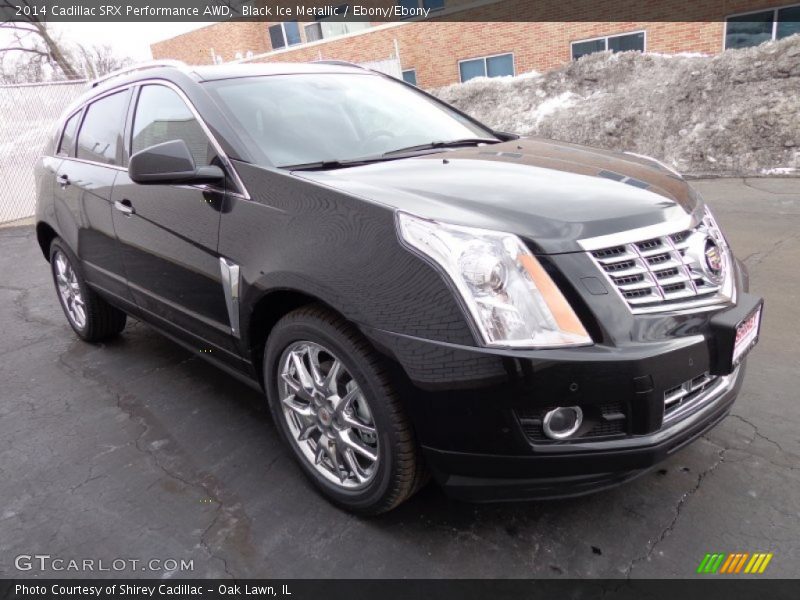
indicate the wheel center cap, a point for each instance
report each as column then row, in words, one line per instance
column 325, row 417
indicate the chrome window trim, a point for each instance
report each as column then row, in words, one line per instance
column 241, row 190
column 96, row 162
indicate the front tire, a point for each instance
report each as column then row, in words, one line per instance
column 89, row 315
column 337, row 408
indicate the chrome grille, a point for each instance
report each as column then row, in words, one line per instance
column 657, row 274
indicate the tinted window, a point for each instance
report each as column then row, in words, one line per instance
column 623, row 43
column 749, row 30
column 102, row 126
column 67, row 144
column 162, row 116
column 583, row 48
column 788, row 22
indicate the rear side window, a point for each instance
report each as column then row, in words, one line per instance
column 163, row 116
column 67, row 143
column 101, row 131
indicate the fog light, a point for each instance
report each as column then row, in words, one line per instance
column 562, row 422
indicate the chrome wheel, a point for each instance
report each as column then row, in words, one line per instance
column 328, row 415
column 69, row 290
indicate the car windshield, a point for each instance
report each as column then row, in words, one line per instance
column 291, row 120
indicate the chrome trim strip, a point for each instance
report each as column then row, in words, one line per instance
column 96, row 163
column 681, row 223
column 231, row 279
column 722, row 384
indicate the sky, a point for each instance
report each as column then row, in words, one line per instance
column 127, row 39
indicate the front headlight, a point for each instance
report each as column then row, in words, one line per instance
column 706, row 262
column 512, row 299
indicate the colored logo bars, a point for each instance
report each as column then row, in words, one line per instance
column 740, row 562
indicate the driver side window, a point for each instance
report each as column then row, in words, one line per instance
column 162, row 116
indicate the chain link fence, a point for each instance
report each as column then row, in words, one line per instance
column 28, row 113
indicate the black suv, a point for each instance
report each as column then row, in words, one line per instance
column 414, row 292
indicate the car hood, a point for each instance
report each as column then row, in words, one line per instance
column 553, row 194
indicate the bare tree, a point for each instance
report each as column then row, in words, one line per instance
column 32, row 37
column 96, row 61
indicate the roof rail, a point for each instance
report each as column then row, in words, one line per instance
column 150, row 64
column 339, row 63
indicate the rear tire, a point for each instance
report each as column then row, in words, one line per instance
column 333, row 443
column 89, row 315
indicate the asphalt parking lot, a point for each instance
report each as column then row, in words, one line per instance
column 137, row 450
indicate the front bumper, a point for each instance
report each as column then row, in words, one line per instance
column 474, row 409
column 574, row 469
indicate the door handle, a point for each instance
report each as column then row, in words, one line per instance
column 63, row 180
column 124, row 207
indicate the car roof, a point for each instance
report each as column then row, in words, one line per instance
column 170, row 70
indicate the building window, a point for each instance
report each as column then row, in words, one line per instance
column 410, row 76
column 431, row 5
column 314, row 32
column 488, row 66
column 615, row 43
column 328, row 27
column 752, row 29
column 284, row 34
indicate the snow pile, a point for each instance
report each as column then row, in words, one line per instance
column 734, row 113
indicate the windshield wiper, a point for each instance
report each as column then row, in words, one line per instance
column 448, row 144
column 321, row 165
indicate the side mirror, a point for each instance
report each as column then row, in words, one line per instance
column 170, row 163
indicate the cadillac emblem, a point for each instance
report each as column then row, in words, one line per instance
column 706, row 256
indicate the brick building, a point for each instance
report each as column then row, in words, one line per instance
column 459, row 41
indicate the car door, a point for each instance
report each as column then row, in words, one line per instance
column 168, row 234
column 91, row 146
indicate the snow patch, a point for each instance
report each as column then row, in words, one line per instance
column 735, row 113
column 553, row 104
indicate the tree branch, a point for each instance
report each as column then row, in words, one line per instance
column 24, row 49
